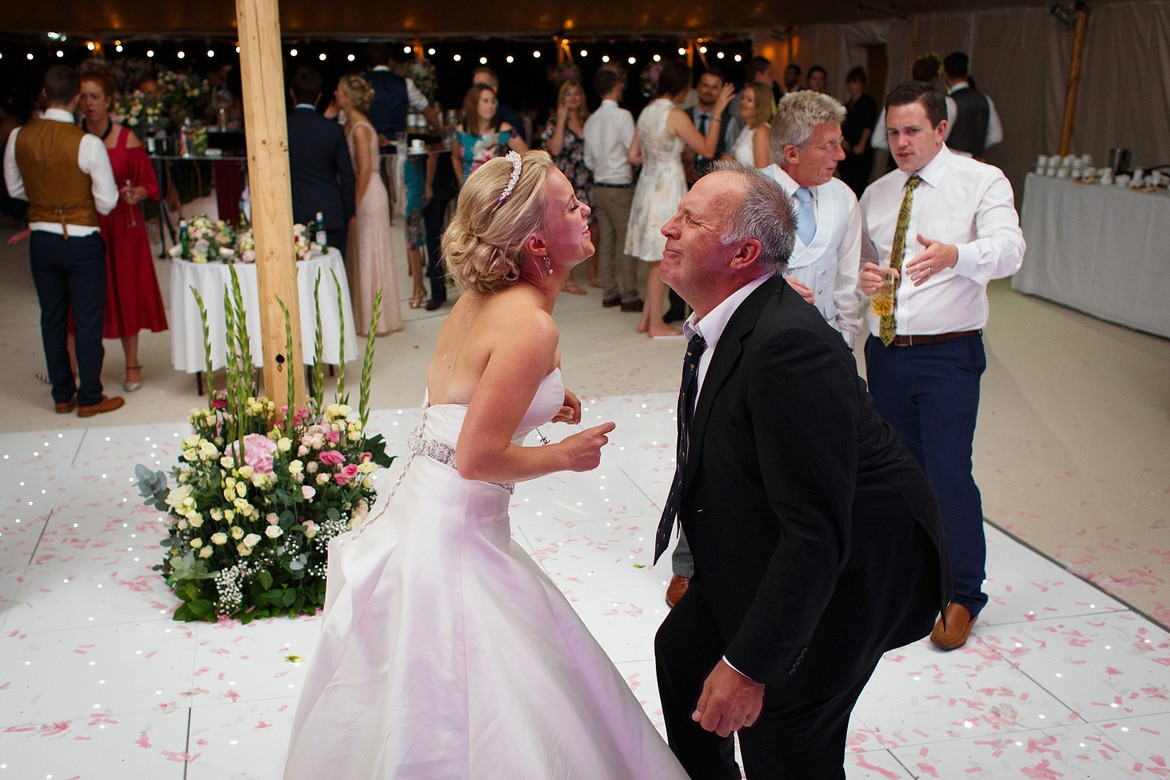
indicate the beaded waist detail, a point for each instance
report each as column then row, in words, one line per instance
column 443, row 453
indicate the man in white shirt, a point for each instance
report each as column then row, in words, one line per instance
column 976, row 125
column 806, row 148
column 611, row 141
column 950, row 224
column 64, row 173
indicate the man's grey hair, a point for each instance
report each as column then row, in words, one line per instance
column 797, row 116
column 764, row 214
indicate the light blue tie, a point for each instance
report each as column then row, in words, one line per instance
column 806, row 221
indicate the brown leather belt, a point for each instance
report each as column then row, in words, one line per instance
column 937, row 338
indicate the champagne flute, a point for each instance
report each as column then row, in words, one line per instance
column 127, row 188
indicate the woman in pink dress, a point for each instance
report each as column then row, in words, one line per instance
column 369, row 258
column 133, row 300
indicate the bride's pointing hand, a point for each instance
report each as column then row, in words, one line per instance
column 585, row 447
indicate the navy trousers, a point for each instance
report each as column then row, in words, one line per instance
column 434, row 216
column 70, row 277
column 929, row 393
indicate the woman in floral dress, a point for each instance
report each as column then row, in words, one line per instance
column 564, row 139
column 481, row 135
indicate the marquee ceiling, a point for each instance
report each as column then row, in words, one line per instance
column 366, row 19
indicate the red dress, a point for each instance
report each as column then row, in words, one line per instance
column 133, row 299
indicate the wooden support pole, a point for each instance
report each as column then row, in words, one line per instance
column 1074, row 80
column 266, row 133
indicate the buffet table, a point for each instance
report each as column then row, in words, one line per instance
column 1101, row 250
column 211, row 279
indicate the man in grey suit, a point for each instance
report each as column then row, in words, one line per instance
column 320, row 171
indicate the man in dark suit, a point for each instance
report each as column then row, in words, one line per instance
column 320, row 170
column 817, row 541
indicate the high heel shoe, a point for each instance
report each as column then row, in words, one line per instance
column 131, row 386
column 416, row 300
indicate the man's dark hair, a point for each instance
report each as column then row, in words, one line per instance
column 713, row 72
column 377, row 54
column 62, row 84
column 793, row 67
column 816, row 69
column 674, row 78
column 956, row 64
column 305, row 85
column 760, row 65
column 857, row 74
column 604, row 81
column 919, row 92
column 925, row 68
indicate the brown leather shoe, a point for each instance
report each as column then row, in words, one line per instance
column 675, row 590
column 67, row 407
column 958, row 628
column 634, row 305
column 104, row 405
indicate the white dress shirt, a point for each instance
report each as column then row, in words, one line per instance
column 830, row 263
column 712, row 326
column 92, row 158
column 609, row 132
column 879, row 139
column 960, row 201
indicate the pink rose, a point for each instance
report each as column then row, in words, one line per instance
column 346, row 474
column 332, row 435
column 332, row 458
column 258, row 451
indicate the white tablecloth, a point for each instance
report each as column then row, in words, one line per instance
column 211, row 279
column 1102, row 250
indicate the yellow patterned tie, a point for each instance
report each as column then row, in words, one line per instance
column 886, row 330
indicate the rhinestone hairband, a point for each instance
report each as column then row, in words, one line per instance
column 513, row 158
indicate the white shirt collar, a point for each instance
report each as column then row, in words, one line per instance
column 712, row 326
column 58, row 115
column 932, row 172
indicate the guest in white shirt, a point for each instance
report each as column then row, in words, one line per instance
column 611, row 141
column 64, row 173
column 959, row 230
column 806, row 148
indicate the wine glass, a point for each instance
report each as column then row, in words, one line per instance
column 127, row 188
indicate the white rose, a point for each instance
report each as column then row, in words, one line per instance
column 219, row 538
column 237, row 533
column 273, row 531
column 252, row 540
column 308, row 491
column 206, row 552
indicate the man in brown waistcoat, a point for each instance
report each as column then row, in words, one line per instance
column 64, row 173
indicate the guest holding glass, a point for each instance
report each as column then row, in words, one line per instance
column 664, row 130
column 756, row 107
column 564, row 139
column 481, row 135
column 369, row 258
column 133, row 300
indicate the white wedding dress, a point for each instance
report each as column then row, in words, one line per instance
column 446, row 652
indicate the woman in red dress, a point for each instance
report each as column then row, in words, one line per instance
column 133, row 300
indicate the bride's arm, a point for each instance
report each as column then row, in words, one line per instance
column 516, row 365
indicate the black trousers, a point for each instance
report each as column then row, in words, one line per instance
column 434, row 217
column 70, row 278
column 798, row 740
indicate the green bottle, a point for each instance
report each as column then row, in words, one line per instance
column 184, row 241
column 320, row 236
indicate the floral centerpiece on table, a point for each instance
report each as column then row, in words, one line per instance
column 185, row 95
column 216, row 240
column 422, row 73
column 259, row 492
column 136, row 110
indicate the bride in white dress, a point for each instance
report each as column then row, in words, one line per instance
column 445, row 651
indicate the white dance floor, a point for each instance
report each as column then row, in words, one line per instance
column 96, row 681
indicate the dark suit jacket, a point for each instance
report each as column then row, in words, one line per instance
column 815, row 534
column 701, row 162
column 320, row 170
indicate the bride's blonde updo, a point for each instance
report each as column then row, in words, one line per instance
column 484, row 244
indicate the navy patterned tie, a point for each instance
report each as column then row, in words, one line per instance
column 686, row 405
